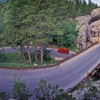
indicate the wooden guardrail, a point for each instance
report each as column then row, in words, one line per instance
column 95, row 70
column 88, row 75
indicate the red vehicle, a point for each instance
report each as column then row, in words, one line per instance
column 63, row 50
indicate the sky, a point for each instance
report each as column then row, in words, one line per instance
column 95, row 1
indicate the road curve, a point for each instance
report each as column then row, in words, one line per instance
column 67, row 74
column 53, row 52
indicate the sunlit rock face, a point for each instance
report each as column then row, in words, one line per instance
column 89, row 29
column 95, row 15
column 82, row 24
column 94, row 24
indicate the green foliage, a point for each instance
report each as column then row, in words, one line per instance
column 4, row 96
column 1, row 17
column 64, row 96
column 81, row 86
column 46, row 91
column 14, row 57
column 92, row 93
column 17, row 22
column 25, row 20
column 20, row 91
column 34, row 22
column 70, row 34
column 67, row 39
column 46, row 54
column 13, row 60
column 2, row 57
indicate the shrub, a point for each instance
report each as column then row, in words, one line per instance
column 46, row 55
column 2, row 57
column 4, row 96
column 91, row 94
column 20, row 91
column 45, row 91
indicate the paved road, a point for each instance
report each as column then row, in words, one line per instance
column 67, row 74
column 53, row 53
column 60, row 56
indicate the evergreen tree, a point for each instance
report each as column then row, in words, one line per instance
column 1, row 33
column 35, row 21
column 84, row 7
column 14, row 21
column 91, row 6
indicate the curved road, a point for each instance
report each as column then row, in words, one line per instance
column 67, row 74
column 53, row 52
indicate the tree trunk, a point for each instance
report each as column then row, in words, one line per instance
column 29, row 55
column 36, row 58
column 21, row 52
column 41, row 55
column 3, row 50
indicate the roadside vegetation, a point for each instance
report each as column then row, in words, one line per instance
column 12, row 60
column 87, row 90
column 39, row 23
column 43, row 91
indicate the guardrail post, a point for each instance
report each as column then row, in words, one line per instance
column 88, row 74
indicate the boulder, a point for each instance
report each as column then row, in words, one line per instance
column 89, row 29
column 82, row 24
column 95, row 15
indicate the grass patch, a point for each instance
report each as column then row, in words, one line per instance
column 14, row 60
column 14, row 65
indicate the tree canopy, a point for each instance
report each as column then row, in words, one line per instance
column 36, row 22
column 26, row 19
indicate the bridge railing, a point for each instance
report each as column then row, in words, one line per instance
column 88, row 75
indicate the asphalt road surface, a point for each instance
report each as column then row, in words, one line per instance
column 53, row 52
column 67, row 74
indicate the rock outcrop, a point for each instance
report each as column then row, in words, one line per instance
column 82, row 24
column 89, row 29
column 95, row 15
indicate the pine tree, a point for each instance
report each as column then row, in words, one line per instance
column 84, row 7
column 14, row 21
